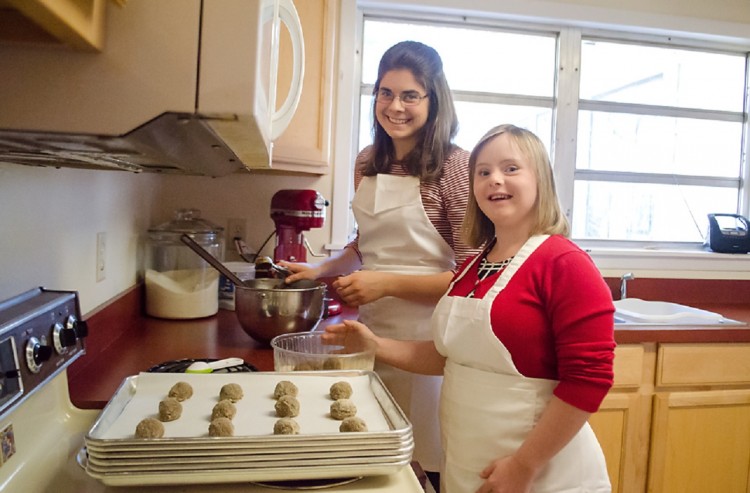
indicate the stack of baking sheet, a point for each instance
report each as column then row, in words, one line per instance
column 187, row 455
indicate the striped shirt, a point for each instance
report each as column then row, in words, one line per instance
column 444, row 200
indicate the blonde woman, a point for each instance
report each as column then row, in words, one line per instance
column 524, row 337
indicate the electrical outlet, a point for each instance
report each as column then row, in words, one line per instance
column 101, row 255
column 235, row 228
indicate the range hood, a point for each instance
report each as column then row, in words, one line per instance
column 181, row 86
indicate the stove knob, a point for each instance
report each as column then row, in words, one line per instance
column 63, row 337
column 36, row 354
column 80, row 328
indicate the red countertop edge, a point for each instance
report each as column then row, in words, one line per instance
column 123, row 341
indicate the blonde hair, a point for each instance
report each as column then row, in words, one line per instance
column 477, row 228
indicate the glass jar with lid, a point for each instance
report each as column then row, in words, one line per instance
column 179, row 283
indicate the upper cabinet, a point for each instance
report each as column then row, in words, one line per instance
column 180, row 86
column 306, row 145
column 76, row 23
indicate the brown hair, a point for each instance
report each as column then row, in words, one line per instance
column 435, row 142
column 550, row 219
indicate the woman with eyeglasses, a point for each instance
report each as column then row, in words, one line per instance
column 412, row 186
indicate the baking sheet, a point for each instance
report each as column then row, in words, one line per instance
column 328, row 450
column 188, row 455
column 152, row 466
column 255, row 412
column 155, row 449
column 244, row 475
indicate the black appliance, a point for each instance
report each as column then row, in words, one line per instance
column 728, row 233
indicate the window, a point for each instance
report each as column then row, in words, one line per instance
column 484, row 96
column 657, row 130
column 659, row 141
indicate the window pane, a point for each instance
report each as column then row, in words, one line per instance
column 474, row 120
column 473, row 59
column 630, row 73
column 658, row 144
column 646, row 212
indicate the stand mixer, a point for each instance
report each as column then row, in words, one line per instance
column 294, row 212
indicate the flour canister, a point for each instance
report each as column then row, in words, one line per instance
column 179, row 283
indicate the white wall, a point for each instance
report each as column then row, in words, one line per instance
column 726, row 20
column 49, row 222
column 49, row 219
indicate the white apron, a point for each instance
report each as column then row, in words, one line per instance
column 487, row 407
column 397, row 236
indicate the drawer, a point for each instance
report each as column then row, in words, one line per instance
column 628, row 365
column 703, row 364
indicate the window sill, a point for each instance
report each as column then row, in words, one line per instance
column 670, row 263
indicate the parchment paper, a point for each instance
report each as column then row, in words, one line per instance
column 255, row 412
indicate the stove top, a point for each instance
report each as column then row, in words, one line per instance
column 41, row 333
column 42, row 433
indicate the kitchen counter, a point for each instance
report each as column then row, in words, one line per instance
column 123, row 341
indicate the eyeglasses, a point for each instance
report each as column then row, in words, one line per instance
column 407, row 98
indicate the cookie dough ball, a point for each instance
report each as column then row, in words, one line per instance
column 221, row 427
column 286, row 426
column 333, row 364
column 306, row 366
column 342, row 409
column 285, row 387
column 341, row 390
column 287, row 406
column 181, row 391
column 231, row 391
column 224, row 409
column 149, row 428
column 355, row 423
column 170, row 409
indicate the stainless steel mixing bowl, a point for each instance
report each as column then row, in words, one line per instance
column 267, row 307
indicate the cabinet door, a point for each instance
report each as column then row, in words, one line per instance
column 618, row 427
column 77, row 23
column 700, row 442
column 305, row 146
column 622, row 423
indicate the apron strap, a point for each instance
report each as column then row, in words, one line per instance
column 523, row 254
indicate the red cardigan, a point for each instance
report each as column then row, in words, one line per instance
column 555, row 317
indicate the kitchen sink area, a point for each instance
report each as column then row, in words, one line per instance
column 635, row 312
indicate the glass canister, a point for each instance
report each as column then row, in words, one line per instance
column 179, row 283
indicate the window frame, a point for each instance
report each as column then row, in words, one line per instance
column 677, row 259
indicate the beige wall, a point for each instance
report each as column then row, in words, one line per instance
column 49, row 218
column 720, row 10
column 727, row 20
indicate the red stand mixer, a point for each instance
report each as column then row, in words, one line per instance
column 294, row 212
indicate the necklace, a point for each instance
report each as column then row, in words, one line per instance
column 487, row 269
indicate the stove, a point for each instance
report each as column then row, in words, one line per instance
column 42, row 434
column 41, row 334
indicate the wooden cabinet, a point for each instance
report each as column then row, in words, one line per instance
column 700, row 438
column 622, row 423
column 678, row 419
column 306, row 145
column 77, row 23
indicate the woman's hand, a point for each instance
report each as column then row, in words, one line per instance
column 507, row 475
column 361, row 287
column 300, row 271
column 348, row 331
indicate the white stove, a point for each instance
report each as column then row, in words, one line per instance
column 42, row 433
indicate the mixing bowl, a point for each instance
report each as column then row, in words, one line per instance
column 267, row 308
column 306, row 351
